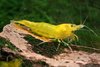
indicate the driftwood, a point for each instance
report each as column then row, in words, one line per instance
column 75, row 59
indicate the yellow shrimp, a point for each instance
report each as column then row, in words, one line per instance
column 51, row 31
column 47, row 30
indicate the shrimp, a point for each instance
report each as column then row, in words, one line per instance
column 50, row 31
column 47, row 30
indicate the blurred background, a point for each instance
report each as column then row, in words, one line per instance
column 56, row 12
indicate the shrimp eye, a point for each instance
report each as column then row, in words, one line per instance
column 72, row 25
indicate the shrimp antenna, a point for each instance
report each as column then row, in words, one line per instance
column 91, row 30
column 88, row 27
column 85, row 20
